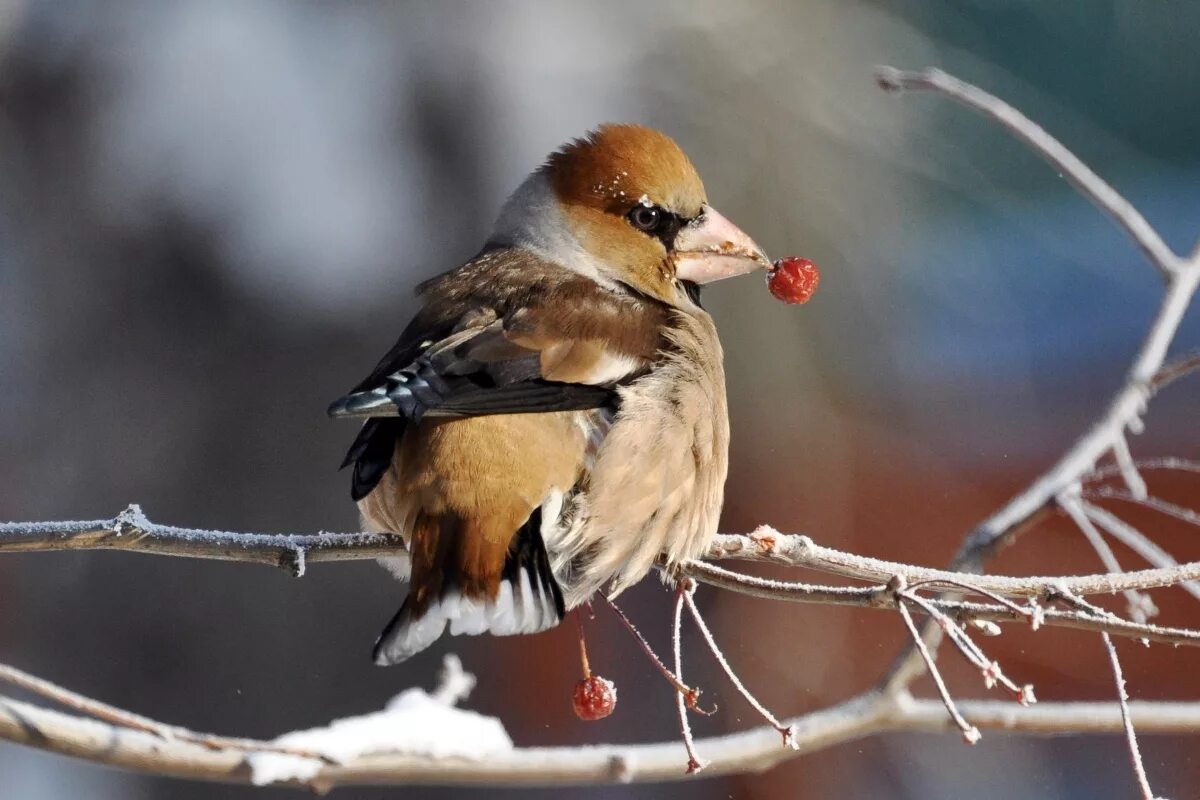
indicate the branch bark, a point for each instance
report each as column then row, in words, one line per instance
column 132, row 531
column 750, row 751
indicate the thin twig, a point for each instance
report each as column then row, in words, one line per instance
column 880, row 598
column 1128, row 405
column 1140, row 606
column 1129, row 471
column 1076, row 509
column 1162, row 506
column 784, row 730
column 801, row 551
column 1064, row 162
column 694, row 764
column 1136, row 541
column 1024, row 611
column 1135, row 753
column 1169, row 463
column 692, row 695
column 1180, row 367
column 132, row 531
column 970, row 733
column 990, row 670
column 790, row 549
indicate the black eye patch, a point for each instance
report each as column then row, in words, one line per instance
column 657, row 222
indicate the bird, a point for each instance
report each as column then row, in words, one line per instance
column 553, row 420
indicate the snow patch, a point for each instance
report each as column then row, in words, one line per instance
column 413, row 723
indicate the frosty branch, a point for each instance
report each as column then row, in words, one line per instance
column 957, row 603
column 191, row 755
column 131, row 531
column 1145, row 375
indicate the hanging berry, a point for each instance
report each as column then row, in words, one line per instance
column 594, row 697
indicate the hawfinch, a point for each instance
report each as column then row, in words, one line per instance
column 554, row 420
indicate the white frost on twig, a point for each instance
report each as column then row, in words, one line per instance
column 413, row 722
column 1129, row 471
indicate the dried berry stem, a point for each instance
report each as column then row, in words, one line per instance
column 692, row 695
column 694, row 764
column 785, row 731
column 583, row 659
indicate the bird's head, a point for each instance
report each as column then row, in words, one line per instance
column 624, row 205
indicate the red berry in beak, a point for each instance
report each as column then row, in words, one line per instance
column 594, row 698
column 793, row 280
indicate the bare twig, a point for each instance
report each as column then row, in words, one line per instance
column 794, row 550
column 801, row 551
column 1169, row 463
column 694, row 763
column 752, row 750
column 1180, row 367
column 784, row 730
column 879, row 597
column 1125, row 410
column 1077, row 511
column 1064, row 162
column 990, row 670
column 132, row 531
column 970, row 733
column 1136, row 541
column 681, row 688
column 1135, row 753
column 1141, row 607
column 1162, row 506
column 1125, row 463
column 765, row 544
column 1182, row 277
column 1029, row 612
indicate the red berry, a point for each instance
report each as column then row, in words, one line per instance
column 594, row 698
column 793, row 280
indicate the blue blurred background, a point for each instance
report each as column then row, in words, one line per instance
column 212, row 216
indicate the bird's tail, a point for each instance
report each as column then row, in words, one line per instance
column 527, row 598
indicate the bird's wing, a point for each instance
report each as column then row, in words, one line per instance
column 494, row 366
column 500, row 336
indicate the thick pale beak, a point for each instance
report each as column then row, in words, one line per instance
column 712, row 248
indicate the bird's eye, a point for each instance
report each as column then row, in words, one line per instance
column 646, row 218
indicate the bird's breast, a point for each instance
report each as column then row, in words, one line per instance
column 657, row 483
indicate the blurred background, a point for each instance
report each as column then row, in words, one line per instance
column 212, row 217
